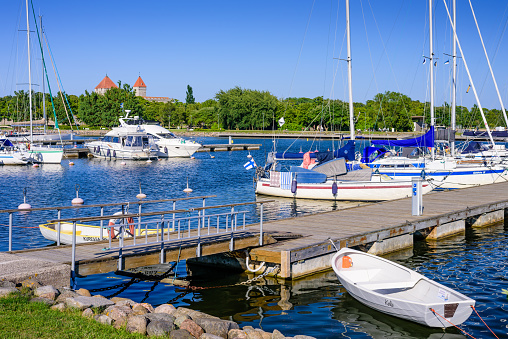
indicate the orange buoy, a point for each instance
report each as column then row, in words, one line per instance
column 347, row 262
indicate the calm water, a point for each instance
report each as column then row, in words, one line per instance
column 475, row 263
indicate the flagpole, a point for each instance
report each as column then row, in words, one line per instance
column 350, row 77
column 454, row 82
column 431, row 57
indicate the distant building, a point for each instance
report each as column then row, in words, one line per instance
column 105, row 85
column 139, row 89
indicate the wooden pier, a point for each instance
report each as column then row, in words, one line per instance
column 301, row 246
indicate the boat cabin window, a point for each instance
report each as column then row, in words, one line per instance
column 106, row 139
column 167, row 135
column 133, row 141
column 115, row 139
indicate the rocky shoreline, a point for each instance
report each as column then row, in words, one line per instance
column 163, row 321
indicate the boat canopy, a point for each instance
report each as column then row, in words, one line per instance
column 6, row 143
column 347, row 152
column 474, row 147
column 426, row 140
column 369, row 151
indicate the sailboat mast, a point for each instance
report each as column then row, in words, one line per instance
column 43, row 88
column 431, row 57
column 350, row 77
column 454, row 80
column 29, row 72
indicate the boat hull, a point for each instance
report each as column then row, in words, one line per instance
column 184, row 149
column 114, row 151
column 46, row 155
column 347, row 191
column 400, row 292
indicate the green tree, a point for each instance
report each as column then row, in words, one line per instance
column 189, row 98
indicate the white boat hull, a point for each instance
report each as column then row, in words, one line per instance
column 349, row 191
column 173, row 149
column 400, row 292
column 13, row 158
column 46, row 155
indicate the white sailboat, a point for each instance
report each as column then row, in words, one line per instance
column 331, row 180
column 11, row 154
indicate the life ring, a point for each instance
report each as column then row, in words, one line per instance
column 112, row 222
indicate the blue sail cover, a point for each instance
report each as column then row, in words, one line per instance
column 347, row 152
column 426, row 140
column 370, row 150
column 6, row 142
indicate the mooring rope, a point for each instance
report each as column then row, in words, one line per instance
column 469, row 335
column 474, row 309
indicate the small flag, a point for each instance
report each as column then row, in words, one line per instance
column 468, row 88
column 250, row 164
column 435, row 63
column 424, row 61
column 447, row 62
column 281, row 121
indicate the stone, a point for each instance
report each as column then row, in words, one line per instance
column 76, row 303
column 277, row 335
column 103, row 319
column 160, row 316
column 159, row 328
column 59, row 307
column 47, row 292
column 191, row 313
column 30, row 283
column 123, row 301
column 46, row 301
column 210, row 336
column 181, row 319
column 301, row 336
column 139, row 309
column 253, row 333
column 148, row 306
column 5, row 291
column 194, row 329
column 180, row 334
column 214, row 326
column 66, row 294
column 118, row 312
column 120, row 323
column 136, row 324
column 95, row 303
column 237, row 334
column 88, row 313
column 165, row 308
column 7, row 283
column 84, row 292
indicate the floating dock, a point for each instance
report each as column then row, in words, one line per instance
column 301, row 246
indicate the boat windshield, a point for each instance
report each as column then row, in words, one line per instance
column 166, row 135
column 110, row 139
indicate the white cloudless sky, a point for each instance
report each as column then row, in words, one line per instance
column 289, row 48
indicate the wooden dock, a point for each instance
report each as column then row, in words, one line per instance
column 300, row 246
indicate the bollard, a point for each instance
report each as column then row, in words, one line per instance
column 416, row 192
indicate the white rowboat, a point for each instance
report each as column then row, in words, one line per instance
column 398, row 291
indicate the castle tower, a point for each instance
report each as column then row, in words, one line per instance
column 140, row 88
column 105, row 85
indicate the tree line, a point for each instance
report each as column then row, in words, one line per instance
column 240, row 109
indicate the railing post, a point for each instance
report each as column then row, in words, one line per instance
column 10, row 231
column 120, row 250
column 261, row 226
column 58, row 228
column 198, row 249
column 203, row 224
column 139, row 223
column 102, row 224
column 174, row 216
column 73, row 254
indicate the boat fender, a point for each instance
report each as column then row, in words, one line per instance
column 293, row 186
column 99, row 150
column 334, row 188
column 347, row 262
column 166, row 150
column 114, row 154
column 95, row 149
column 108, row 153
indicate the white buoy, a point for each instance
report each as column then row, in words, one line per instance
column 212, row 156
column 35, row 165
column 123, row 163
column 159, row 159
column 71, row 163
column 249, row 156
column 192, row 157
column 24, row 205
column 77, row 200
column 188, row 189
column 141, row 195
column 149, row 161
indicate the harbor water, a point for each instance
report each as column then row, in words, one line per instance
column 474, row 263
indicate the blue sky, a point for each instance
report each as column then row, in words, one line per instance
column 289, row 48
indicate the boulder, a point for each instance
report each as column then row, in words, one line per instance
column 165, row 308
column 47, row 292
column 253, row 333
column 181, row 319
column 191, row 313
column 46, row 301
column 277, row 335
column 148, row 307
column 82, row 302
column 59, row 307
column 30, row 283
column 118, row 312
column 5, row 291
column 215, row 326
column 103, row 319
column 120, row 323
column 301, row 336
column 124, row 301
column 210, row 336
column 76, row 303
column 88, row 313
column 237, row 334
column 194, row 329
column 66, row 294
column 161, row 317
column 139, row 309
column 180, row 334
column 159, row 328
column 136, row 324
column 6, row 283
column 84, row 292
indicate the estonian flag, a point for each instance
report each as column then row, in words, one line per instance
column 250, row 164
column 447, row 62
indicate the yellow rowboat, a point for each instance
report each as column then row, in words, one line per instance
column 88, row 233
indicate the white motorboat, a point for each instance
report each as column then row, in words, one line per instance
column 11, row 154
column 398, row 291
column 169, row 145
column 129, row 142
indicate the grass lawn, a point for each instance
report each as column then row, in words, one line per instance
column 21, row 319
